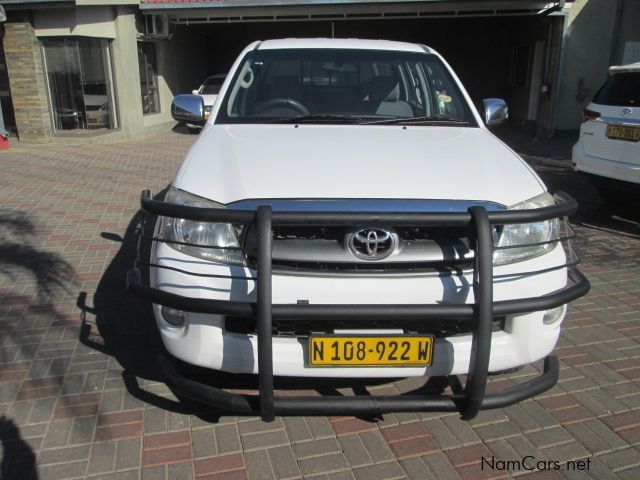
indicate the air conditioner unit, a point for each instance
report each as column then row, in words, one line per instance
column 156, row 26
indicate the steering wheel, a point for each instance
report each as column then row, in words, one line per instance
column 289, row 103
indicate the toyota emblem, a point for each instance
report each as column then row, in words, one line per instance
column 372, row 243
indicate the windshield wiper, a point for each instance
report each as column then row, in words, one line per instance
column 423, row 120
column 316, row 119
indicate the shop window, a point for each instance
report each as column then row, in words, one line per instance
column 80, row 86
column 148, row 77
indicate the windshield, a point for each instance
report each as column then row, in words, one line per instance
column 620, row 90
column 211, row 86
column 344, row 86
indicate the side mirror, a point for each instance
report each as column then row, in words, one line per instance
column 496, row 111
column 188, row 108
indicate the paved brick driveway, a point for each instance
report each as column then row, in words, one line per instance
column 79, row 396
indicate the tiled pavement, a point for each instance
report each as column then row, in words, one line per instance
column 79, row 396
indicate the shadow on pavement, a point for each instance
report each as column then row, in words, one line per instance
column 184, row 130
column 18, row 460
column 37, row 278
column 19, row 254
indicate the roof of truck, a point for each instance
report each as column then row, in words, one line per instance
column 341, row 43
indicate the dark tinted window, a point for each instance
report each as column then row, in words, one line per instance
column 357, row 84
column 622, row 90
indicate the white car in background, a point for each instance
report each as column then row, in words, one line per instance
column 346, row 212
column 608, row 150
column 209, row 92
column 97, row 111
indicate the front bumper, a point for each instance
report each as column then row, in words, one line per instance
column 468, row 399
column 359, row 405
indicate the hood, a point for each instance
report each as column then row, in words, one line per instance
column 95, row 100
column 238, row 162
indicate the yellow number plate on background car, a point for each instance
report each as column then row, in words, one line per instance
column 373, row 351
column 621, row 132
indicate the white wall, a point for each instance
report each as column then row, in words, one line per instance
column 127, row 76
column 591, row 36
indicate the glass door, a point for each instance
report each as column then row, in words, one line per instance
column 79, row 83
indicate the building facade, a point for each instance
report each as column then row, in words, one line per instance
column 88, row 68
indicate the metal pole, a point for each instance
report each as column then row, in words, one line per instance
column 265, row 341
column 483, row 292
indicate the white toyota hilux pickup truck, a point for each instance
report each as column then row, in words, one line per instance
column 346, row 212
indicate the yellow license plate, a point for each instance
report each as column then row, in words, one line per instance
column 621, row 132
column 370, row 351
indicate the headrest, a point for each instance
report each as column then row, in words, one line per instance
column 385, row 88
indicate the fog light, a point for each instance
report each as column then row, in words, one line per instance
column 172, row 316
column 554, row 315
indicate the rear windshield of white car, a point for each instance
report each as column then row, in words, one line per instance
column 620, row 90
column 343, row 86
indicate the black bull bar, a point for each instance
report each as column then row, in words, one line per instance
column 467, row 399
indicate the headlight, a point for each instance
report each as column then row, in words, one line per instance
column 221, row 235
column 527, row 233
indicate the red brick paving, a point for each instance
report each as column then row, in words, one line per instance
column 349, row 425
column 465, row 456
column 72, row 411
column 409, row 440
column 119, row 432
column 567, row 416
column 623, row 421
column 62, row 368
column 221, row 464
column 542, row 475
column 475, row 472
column 122, row 418
column 165, row 456
column 234, row 475
column 558, row 402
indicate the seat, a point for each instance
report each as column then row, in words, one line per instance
column 384, row 98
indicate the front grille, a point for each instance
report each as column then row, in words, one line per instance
column 444, row 268
column 337, row 233
column 304, row 328
column 326, row 249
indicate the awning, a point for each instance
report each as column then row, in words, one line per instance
column 229, row 11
